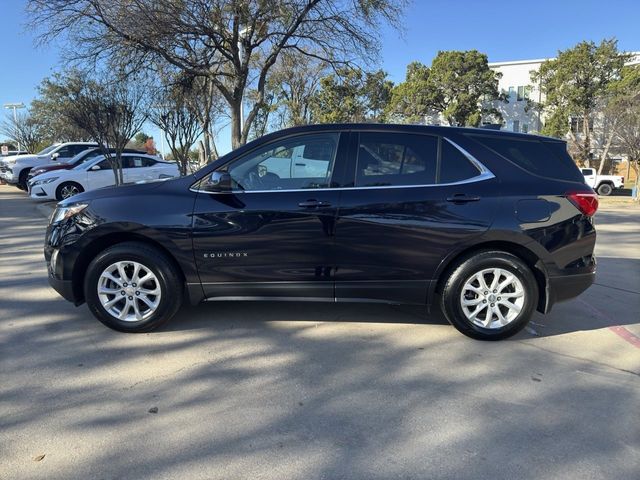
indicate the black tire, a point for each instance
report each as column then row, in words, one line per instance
column 67, row 185
column 22, row 179
column 167, row 274
column 605, row 189
column 464, row 269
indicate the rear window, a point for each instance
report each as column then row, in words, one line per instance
column 454, row 166
column 545, row 158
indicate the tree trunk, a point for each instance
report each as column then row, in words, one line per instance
column 586, row 143
column 607, row 146
column 236, row 118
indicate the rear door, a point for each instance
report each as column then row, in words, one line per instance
column 413, row 198
column 135, row 169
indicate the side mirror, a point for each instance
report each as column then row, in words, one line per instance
column 95, row 168
column 219, row 182
column 55, row 156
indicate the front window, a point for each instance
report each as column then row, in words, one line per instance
column 304, row 162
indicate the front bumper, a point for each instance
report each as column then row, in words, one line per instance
column 8, row 177
column 64, row 288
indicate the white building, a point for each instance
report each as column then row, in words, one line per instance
column 516, row 82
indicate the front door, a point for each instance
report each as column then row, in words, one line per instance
column 415, row 198
column 272, row 236
column 100, row 175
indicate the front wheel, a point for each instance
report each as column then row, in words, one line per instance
column 133, row 287
column 605, row 189
column 490, row 295
column 68, row 189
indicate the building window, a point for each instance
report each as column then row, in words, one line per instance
column 512, row 94
column 525, row 128
column 524, row 92
column 577, row 125
column 516, row 126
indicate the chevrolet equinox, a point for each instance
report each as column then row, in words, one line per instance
column 488, row 225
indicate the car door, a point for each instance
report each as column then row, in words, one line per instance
column 134, row 169
column 100, row 175
column 272, row 236
column 414, row 198
column 589, row 176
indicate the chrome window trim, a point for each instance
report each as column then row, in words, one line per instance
column 485, row 174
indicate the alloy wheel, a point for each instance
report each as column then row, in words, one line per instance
column 129, row 291
column 492, row 298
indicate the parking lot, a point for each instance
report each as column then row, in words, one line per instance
column 333, row 391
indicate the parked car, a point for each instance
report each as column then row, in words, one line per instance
column 13, row 153
column 15, row 170
column 84, row 156
column 97, row 173
column 488, row 225
column 603, row 184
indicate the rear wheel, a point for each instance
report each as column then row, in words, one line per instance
column 605, row 189
column 68, row 189
column 133, row 287
column 490, row 295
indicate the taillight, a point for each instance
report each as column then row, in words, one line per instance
column 586, row 202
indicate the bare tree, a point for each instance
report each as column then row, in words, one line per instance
column 233, row 43
column 111, row 108
column 180, row 124
column 23, row 131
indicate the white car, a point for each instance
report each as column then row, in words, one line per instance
column 15, row 169
column 603, row 184
column 97, row 173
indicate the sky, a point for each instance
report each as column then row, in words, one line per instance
column 504, row 30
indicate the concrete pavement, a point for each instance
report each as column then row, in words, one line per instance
column 316, row 391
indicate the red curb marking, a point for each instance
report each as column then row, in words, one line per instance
column 626, row 335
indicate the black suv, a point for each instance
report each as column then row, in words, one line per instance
column 490, row 225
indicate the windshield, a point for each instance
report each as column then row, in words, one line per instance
column 84, row 157
column 47, row 150
column 87, row 162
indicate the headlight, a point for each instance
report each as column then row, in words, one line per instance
column 45, row 181
column 63, row 213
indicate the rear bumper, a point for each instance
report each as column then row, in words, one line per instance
column 566, row 287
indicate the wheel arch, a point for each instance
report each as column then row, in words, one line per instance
column 531, row 259
column 100, row 243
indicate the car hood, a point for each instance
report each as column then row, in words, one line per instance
column 22, row 158
column 106, row 192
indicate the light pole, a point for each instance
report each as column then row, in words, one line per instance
column 15, row 107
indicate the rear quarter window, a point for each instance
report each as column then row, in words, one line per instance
column 544, row 158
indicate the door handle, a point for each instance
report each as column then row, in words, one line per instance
column 313, row 204
column 463, row 198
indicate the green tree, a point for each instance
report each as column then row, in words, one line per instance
column 351, row 95
column 140, row 140
column 47, row 111
column 573, row 85
column 460, row 84
column 409, row 101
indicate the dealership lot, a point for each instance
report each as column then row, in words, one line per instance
column 277, row 390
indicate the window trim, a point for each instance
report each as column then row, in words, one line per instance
column 485, row 174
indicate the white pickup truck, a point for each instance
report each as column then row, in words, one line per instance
column 603, row 184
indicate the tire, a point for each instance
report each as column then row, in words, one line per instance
column 165, row 279
column 22, row 179
column 68, row 189
column 458, row 288
column 605, row 189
